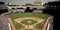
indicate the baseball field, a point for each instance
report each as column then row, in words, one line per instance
column 29, row 21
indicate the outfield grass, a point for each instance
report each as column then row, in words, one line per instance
column 43, row 16
column 18, row 25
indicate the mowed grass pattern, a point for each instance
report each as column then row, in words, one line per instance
column 38, row 15
column 15, row 16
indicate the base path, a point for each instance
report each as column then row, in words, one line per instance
column 39, row 20
column 18, row 20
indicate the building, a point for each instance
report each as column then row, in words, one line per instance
column 52, row 7
column 3, row 7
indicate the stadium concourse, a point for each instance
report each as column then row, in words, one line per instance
column 3, row 23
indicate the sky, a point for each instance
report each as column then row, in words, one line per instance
column 23, row 1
